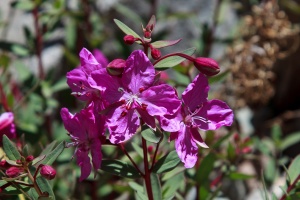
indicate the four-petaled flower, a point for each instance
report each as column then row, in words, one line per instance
column 198, row 113
column 133, row 96
column 86, row 131
column 7, row 126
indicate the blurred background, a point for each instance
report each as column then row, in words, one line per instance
column 255, row 42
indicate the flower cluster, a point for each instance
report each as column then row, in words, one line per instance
column 122, row 102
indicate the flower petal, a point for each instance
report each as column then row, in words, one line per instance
column 196, row 92
column 6, row 119
column 110, row 85
column 83, row 160
column 160, row 100
column 139, row 72
column 197, row 137
column 148, row 119
column 171, row 123
column 100, row 57
column 217, row 114
column 122, row 124
column 96, row 154
column 186, row 148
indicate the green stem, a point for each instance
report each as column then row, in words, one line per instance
column 147, row 171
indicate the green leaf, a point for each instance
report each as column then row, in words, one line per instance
column 140, row 196
column 289, row 140
column 136, row 186
column 173, row 60
column 48, row 148
column 38, row 159
column 293, row 170
column 164, row 43
column 51, row 157
column 151, row 136
column 61, row 84
column 126, row 29
column 166, row 163
column 138, row 149
column 119, row 168
column 218, row 78
column 156, row 187
column 15, row 48
column 221, row 140
column 11, row 190
column 23, row 4
column 172, row 185
column 45, row 186
column 10, row 149
column 207, row 165
column 240, row 176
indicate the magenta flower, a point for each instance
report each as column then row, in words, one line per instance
column 77, row 79
column 198, row 113
column 86, row 131
column 133, row 96
column 7, row 126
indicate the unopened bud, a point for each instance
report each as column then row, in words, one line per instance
column 246, row 150
column 116, row 67
column 207, row 66
column 236, row 137
column 4, row 164
column 155, row 53
column 13, row 172
column 29, row 158
column 129, row 39
column 48, row 172
column 19, row 162
column 147, row 34
column 150, row 149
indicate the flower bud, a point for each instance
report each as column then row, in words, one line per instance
column 129, row 39
column 13, row 171
column 48, row 172
column 116, row 67
column 155, row 53
column 4, row 164
column 246, row 150
column 29, row 158
column 147, row 34
column 207, row 66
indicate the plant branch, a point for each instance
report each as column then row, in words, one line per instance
column 132, row 161
column 147, row 171
column 290, row 188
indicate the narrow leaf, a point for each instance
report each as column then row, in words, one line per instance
column 11, row 190
column 23, row 4
column 152, row 22
column 45, row 187
column 156, row 187
column 51, row 157
column 119, row 168
column 10, row 149
column 151, row 136
column 167, row 163
column 48, row 148
column 136, row 186
column 126, row 29
column 240, row 176
column 207, row 165
column 173, row 60
column 289, row 140
column 15, row 48
column 293, row 170
column 164, row 43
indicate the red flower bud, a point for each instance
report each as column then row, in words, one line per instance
column 246, row 150
column 29, row 158
column 207, row 66
column 147, row 34
column 116, row 67
column 4, row 164
column 48, row 172
column 236, row 137
column 13, row 171
column 129, row 39
column 155, row 53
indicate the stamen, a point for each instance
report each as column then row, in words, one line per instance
column 120, row 89
column 141, row 89
column 123, row 114
column 201, row 119
column 144, row 106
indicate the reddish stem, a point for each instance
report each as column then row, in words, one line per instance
column 290, row 188
column 175, row 54
column 3, row 99
column 132, row 161
column 39, row 42
column 156, row 150
column 147, row 171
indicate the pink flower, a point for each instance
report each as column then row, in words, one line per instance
column 133, row 96
column 7, row 126
column 197, row 113
column 86, row 131
column 77, row 79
